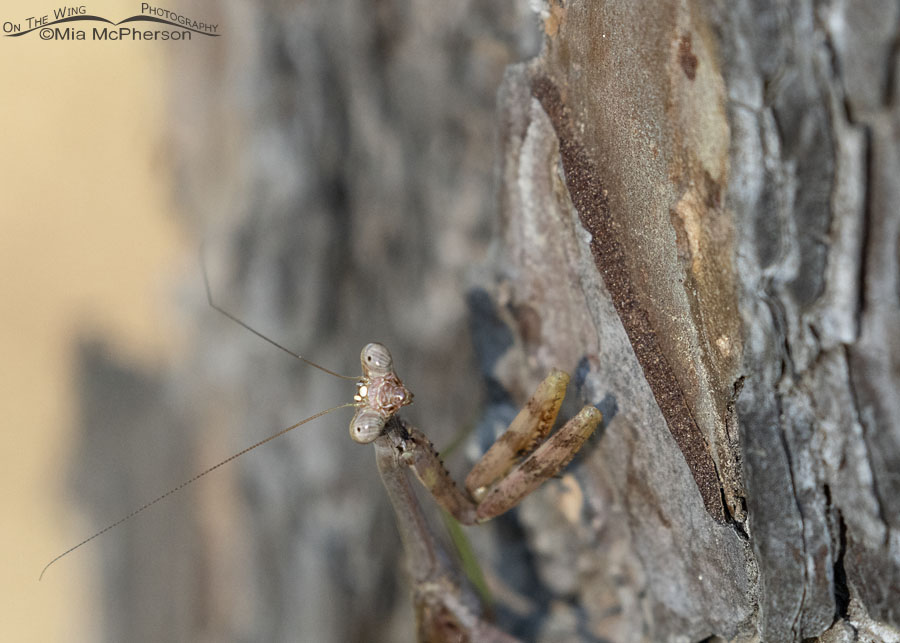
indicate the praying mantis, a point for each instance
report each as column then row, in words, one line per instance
column 496, row 483
column 519, row 461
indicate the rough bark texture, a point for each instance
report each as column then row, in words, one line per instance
column 693, row 207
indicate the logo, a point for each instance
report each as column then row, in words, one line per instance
column 74, row 23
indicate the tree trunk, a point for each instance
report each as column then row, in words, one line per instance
column 692, row 207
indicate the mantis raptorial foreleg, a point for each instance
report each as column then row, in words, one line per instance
column 498, row 482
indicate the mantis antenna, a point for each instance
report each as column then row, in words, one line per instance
column 246, row 326
column 187, row 482
column 178, row 488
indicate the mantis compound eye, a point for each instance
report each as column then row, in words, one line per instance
column 376, row 359
column 366, row 426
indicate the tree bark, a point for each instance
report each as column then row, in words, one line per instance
column 693, row 207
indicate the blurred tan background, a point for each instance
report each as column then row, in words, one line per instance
column 88, row 244
column 339, row 166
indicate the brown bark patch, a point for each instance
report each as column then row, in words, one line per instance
column 686, row 58
column 590, row 200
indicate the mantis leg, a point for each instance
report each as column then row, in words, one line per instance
column 529, row 428
column 509, row 483
column 420, row 456
column 546, row 461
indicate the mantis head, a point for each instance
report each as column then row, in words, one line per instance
column 379, row 394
